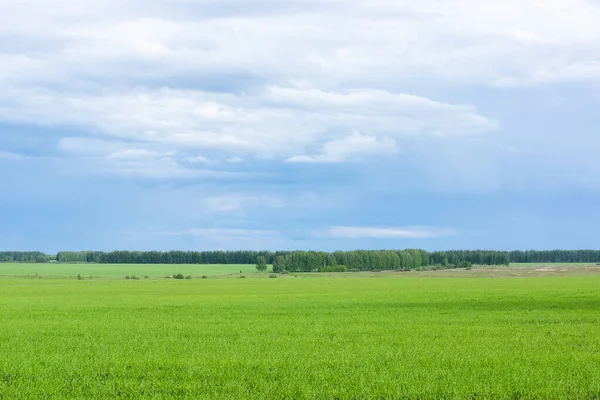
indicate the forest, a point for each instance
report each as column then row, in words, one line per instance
column 24, row 256
column 308, row 261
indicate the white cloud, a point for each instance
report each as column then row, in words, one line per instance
column 136, row 155
column 240, row 202
column 350, row 148
column 278, row 80
column 325, row 41
column 137, row 160
column 157, row 133
column 87, row 146
column 197, row 160
column 225, row 233
column 359, row 232
column 276, row 122
column 4, row 155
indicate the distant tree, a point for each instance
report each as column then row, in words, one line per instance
column 261, row 263
column 41, row 259
column 278, row 264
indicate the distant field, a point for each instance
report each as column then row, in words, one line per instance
column 112, row 271
column 549, row 264
column 344, row 336
column 120, row 270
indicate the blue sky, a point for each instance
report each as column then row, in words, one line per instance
column 331, row 124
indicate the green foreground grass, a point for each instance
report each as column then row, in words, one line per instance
column 343, row 337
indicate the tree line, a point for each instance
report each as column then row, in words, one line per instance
column 166, row 257
column 315, row 260
column 24, row 256
column 555, row 256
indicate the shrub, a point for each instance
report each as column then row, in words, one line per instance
column 204, row 277
column 272, row 276
column 146, row 277
column 178, row 276
column 137, row 278
column 188, row 277
column 284, row 272
column 79, row 278
column 335, row 268
column 243, row 276
column 127, row 277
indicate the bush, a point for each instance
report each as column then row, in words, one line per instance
column 188, row 277
column 243, row 276
column 146, row 277
column 178, row 276
column 137, row 278
column 272, row 276
column 79, row 278
column 335, row 268
column 284, row 272
column 204, row 277
column 127, row 277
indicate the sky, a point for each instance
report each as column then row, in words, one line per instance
column 299, row 124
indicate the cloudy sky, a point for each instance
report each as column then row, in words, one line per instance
column 283, row 124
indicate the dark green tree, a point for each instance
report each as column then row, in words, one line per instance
column 278, row 264
column 261, row 263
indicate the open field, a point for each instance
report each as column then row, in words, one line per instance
column 120, row 270
column 367, row 336
column 113, row 271
column 519, row 271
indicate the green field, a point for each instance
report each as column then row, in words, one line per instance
column 344, row 336
column 120, row 270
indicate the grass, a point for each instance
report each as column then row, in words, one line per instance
column 345, row 336
column 120, row 270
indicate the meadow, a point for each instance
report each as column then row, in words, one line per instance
column 303, row 336
column 120, row 270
